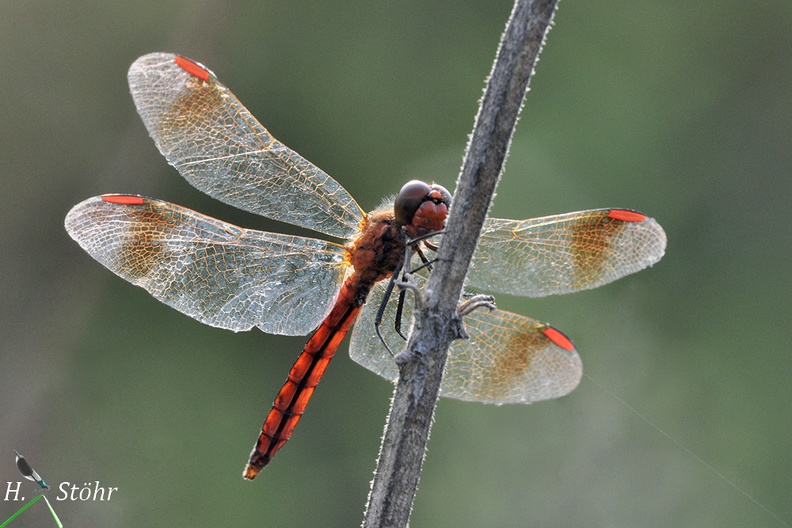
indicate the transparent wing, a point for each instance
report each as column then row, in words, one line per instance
column 564, row 253
column 220, row 148
column 508, row 358
column 217, row 273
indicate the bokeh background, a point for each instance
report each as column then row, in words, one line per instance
column 679, row 109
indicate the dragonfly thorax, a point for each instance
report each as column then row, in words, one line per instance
column 379, row 250
column 419, row 209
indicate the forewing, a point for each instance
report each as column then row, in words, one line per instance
column 564, row 253
column 507, row 359
column 220, row 148
column 215, row 272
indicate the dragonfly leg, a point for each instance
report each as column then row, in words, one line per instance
column 469, row 306
column 405, row 283
column 414, row 244
column 476, row 302
column 381, row 310
column 431, row 246
column 397, row 323
column 425, row 262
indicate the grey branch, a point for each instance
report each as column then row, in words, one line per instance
column 437, row 323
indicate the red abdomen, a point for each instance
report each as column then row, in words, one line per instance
column 305, row 374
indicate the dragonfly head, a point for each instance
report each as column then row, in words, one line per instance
column 422, row 208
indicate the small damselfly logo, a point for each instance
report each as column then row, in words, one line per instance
column 29, row 473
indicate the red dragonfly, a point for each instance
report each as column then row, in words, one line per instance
column 236, row 278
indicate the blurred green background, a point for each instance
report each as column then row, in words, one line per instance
column 682, row 110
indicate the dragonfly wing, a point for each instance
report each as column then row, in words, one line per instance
column 510, row 358
column 365, row 348
column 507, row 359
column 220, row 148
column 564, row 253
column 215, row 272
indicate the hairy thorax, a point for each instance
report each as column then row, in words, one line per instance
column 379, row 249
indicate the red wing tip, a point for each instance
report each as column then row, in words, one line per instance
column 559, row 338
column 123, row 199
column 193, row 68
column 626, row 215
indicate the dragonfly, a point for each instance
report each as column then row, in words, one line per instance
column 237, row 278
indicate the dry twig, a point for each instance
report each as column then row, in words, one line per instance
column 436, row 321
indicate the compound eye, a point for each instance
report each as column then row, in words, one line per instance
column 409, row 199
